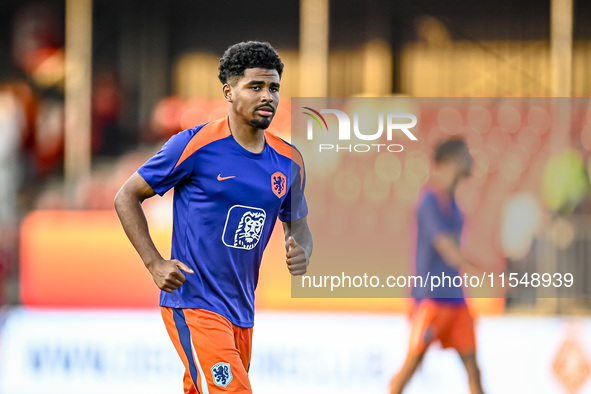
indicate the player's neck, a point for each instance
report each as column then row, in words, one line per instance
column 442, row 183
column 249, row 137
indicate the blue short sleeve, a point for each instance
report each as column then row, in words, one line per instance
column 165, row 170
column 431, row 219
column 294, row 206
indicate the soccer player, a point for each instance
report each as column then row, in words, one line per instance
column 441, row 314
column 232, row 180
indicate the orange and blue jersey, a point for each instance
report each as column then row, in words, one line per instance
column 226, row 202
column 436, row 215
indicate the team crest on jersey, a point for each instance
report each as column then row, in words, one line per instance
column 279, row 184
column 222, row 374
column 244, row 226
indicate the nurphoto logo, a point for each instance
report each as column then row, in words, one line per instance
column 395, row 122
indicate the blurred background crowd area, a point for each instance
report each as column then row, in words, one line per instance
column 120, row 77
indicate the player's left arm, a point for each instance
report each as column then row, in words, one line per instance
column 298, row 243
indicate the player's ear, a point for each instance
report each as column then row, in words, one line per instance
column 227, row 90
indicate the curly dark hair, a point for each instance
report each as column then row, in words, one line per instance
column 454, row 149
column 251, row 54
column 449, row 148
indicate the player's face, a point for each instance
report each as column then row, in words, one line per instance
column 255, row 96
column 467, row 165
column 463, row 166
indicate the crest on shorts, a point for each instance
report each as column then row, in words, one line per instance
column 279, row 184
column 222, row 374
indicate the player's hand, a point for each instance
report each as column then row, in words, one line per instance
column 168, row 275
column 297, row 259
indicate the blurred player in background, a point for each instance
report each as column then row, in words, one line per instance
column 232, row 179
column 441, row 314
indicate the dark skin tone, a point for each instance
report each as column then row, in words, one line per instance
column 252, row 101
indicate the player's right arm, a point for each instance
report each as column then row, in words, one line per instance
column 437, row 230
column 450, row 252
column 128, row 204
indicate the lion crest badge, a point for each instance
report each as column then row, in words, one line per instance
column 279, row 184
column 244, row 227
column 222, row 374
